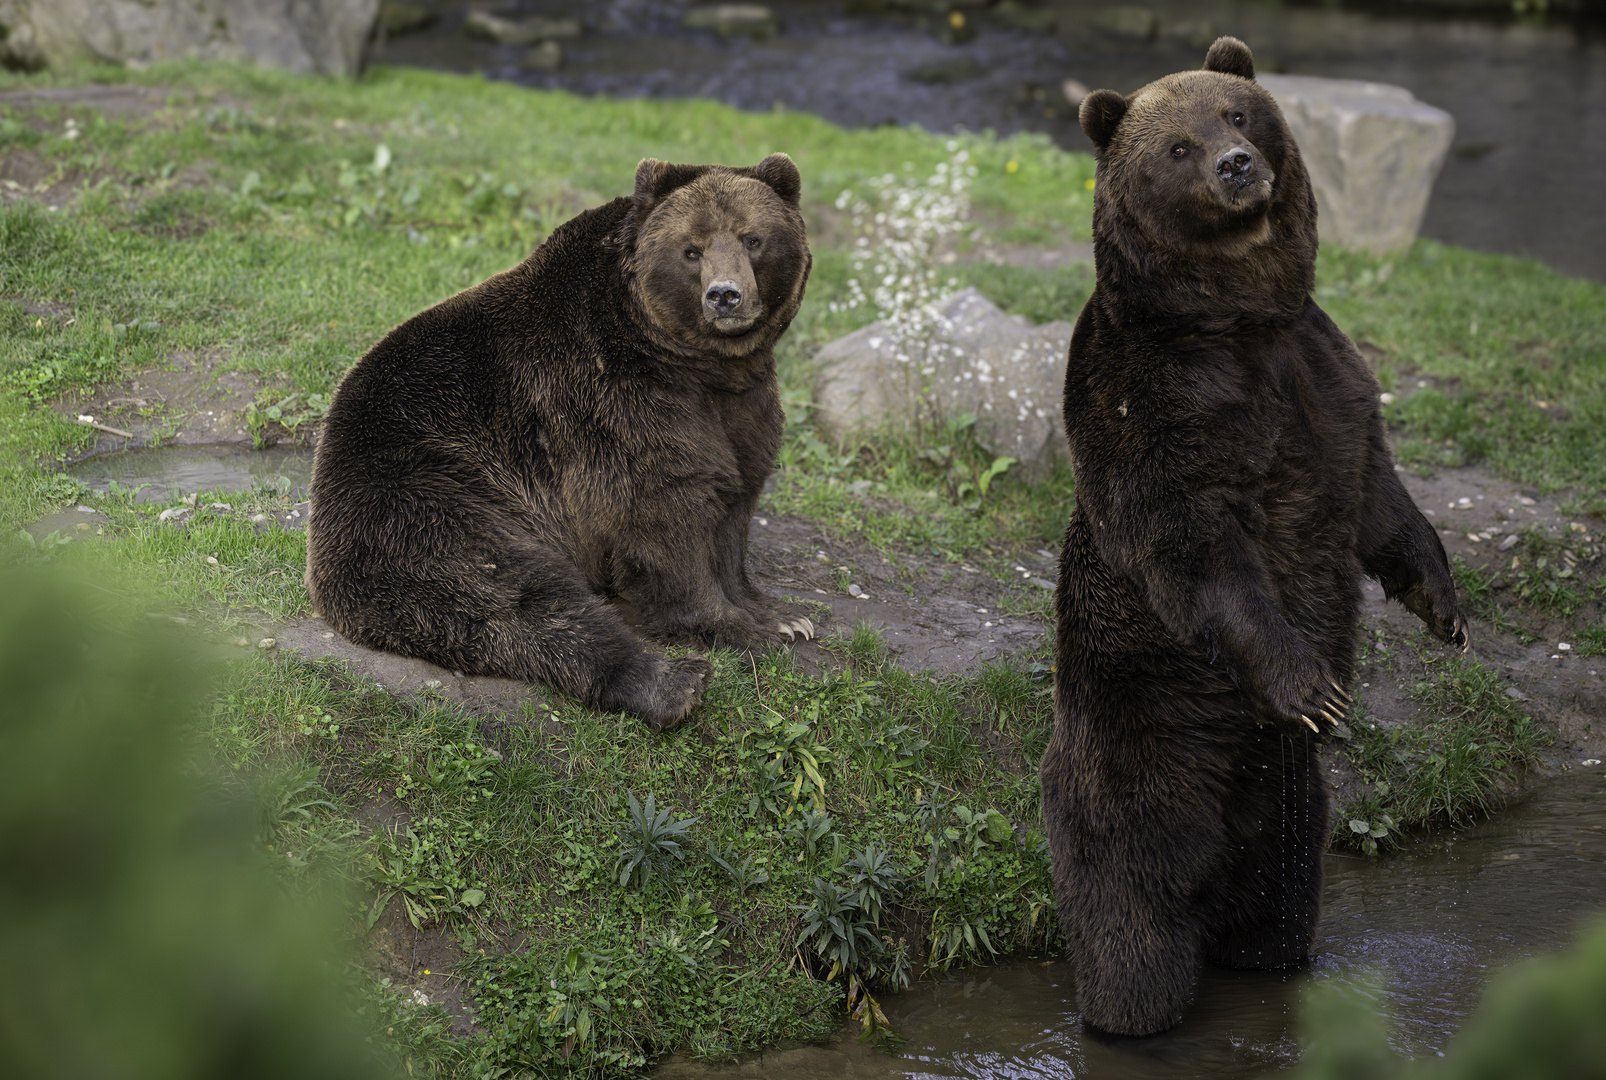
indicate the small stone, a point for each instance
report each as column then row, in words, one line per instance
column 259, row 518
column 84, row 509
column 1525, row 501
column 547, row 56
column 1509, row 542
column 1386, row 398
column 219, row 506
column 267, row 643
column 327, row 634
column 1563, row 646
column 1515, row 695
column 1474, row 538
column 489, row 27
column 860, row 487
column 432, row 684
column 854, row 590
column 1041, row 583
column 822, row 557
column 732, row 20
column 173, row 512
column 82, row 526
column 242, row 641
column 211, row 561
column 457, row 674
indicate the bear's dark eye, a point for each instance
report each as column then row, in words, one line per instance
column 1237, row 119
column 693, row 254
column 1179, row 151
column 755, row 242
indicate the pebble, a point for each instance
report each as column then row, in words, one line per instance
column 173, row 512
column 854, row 590
column 1525, row 501
column 1509, row 542
column 1515, row 695
column 1563, row 647
column 267, row 643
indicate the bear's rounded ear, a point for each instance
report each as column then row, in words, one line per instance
column 780, row 173
column 1230, row 57
column 1101, row 111
column 655, row 179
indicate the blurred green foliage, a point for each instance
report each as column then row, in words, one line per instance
column 144, row 936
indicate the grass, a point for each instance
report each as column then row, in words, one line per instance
column 1449, row 767
column 285, row 223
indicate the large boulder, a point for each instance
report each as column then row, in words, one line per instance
column 975, row 361
column 322, row 36
column 1372, row 151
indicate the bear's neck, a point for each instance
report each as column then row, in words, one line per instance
column 1159, row 291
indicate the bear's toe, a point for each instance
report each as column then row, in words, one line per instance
column 678, row 689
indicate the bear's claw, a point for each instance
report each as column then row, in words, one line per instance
column 798, row 626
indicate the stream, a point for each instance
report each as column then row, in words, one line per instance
column 1528, row 93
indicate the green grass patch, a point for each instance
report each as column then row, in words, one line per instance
column 1445, row 769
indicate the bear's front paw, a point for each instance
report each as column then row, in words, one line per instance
column 1315, row 696
column 796, row 626
column 1438, row 609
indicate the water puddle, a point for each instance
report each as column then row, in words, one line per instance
column 1436, row 921
column 165, row 472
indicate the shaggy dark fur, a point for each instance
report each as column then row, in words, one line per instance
column 1233, row 483
column 596, row 422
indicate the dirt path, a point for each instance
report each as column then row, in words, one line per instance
column 941, row 616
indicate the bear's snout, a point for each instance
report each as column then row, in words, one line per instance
column 723, row 299
column 1236, row 165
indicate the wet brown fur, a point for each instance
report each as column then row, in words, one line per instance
column 1233, row 484
column 576, row 430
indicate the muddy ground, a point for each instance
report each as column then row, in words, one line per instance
column 943, row 616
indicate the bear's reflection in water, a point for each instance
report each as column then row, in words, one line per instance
column 1433, row 923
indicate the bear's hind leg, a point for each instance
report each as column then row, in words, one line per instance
column 1270, row 899
column 495, row 606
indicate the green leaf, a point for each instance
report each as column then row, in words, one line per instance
column 473, row 897
column 1359, row 826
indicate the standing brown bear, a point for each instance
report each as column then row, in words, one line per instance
column 1233, row 483
column 596, row 422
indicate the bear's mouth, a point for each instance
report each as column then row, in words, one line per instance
column 734, row 325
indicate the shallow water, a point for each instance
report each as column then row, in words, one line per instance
column 165, row 472
column 1435, row 921
column 1529, row 97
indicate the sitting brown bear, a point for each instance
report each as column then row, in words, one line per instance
column 1233, row 484
column 596, row 422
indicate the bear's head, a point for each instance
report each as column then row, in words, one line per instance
column 1203, row 213
column 718, row 256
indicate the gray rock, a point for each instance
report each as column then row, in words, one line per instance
column 323, row 36
column 315, row 36
column 1001, row 369
column 732, row 20
column 1373, row 152
column 491, row 27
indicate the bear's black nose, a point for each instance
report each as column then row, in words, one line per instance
column 724, row 297
column 1235, row 164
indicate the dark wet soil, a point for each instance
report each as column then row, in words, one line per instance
column 1528, row 95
